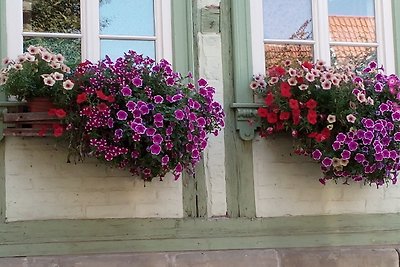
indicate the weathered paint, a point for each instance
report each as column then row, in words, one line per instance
column 396, row 32
column 127, row 235
column 237, row 52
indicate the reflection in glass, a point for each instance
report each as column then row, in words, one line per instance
column 127, row 17
column 290, row 19
column 116, row 48
column 356, row 55
column 58, row 16
column 276, row 54
column 352, row 21
column 70, row 48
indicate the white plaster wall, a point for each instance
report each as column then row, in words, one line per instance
column 288, row 185
column 41, row 185
column 210, row 68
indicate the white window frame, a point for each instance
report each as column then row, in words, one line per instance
column 320, row 41
column 90, row 31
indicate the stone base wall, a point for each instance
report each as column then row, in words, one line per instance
column 326, row 257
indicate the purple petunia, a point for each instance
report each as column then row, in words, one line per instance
column 130, row 105
column 327, row 162
column 126, row 91
column 138, row 82
column 179, row 115
column 165, row 160
column 158, row 99
column 336, row 145
column 346, row 154
column 359, row 157
column 157, row 139
column 352, row 145
column 341, row 137
column 316, row 154
column 397, row 137
column 396, row 116
column 158, row 117
column 155, row 149
column 122, row 115
column 150, row 131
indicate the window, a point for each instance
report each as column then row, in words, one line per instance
column 336, row 31
column 91, row 29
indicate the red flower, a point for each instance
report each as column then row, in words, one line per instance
column 311, row 104
column 42, row 131
column 60, row 113
column 101, row 95
column 58, row 130
column 102, row 107
column 262, row 112
column 312, row 134
column 276, row 71
column 81, row 98
column 296, row 116
column 284, row 115
column 269, row 99
column 300, row 80
column 111, row 99
column 307, row 65
column 279, row 126
column 325, row 134
column 52, row 112
column 293, row 104
column 285, row 90
column 312, row 116
column 272, row 117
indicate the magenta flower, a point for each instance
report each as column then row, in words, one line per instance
column 150, row 131
column 130, row 105
column 164, row 160
column 158, row 117
column 179, row 115
column 316, row 154
column 158, row 99
column 346, row 154
column 327, row 162
column 157, row 139
column 126, row 91
column 202, row 82
column 155, row 149
column 201, row 121
column 138, row 82
column 122, row 115
column 359, row 157
column 397, row 137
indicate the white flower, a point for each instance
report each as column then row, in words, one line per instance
column 49, row 81
column 33, row 50
column 310, row 77
column 292, row 72
column 331, row 118
column 6, row 61
column 68, row 85
column 21, row 59
column 326, row 85
column 57, row 76
column 351, row 118
column 370, row 101
column 335, row 81
column 330, row 127
column 361, row 97
column 315, row 72
column 292, row 81
column 303, row 87
column 30, row 57
column 3, row 79
column 59, row 58
column 46, row 56
column 18, row 66
column 44, row 76
column 254, row 85
column 65, row 68
column 273, row 80
column 55, row 65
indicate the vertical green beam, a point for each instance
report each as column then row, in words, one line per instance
column 185, row 28
column 396, row 32
column 3, row 49
column 237, row 68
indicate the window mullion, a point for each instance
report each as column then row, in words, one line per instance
column 14, row 28
column 257, row 36
column 321, row 30
column 90, row 30
column 163, row 29
column 384, row 34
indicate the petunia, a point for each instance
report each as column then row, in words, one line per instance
column 346, row 154
column 179, row 115
column 285, row 90
column 351, row 118
column 327, row 162
column 331, row 118
column 68, row 85
column 122, row 115
column 316, row 154
column 126, row 91
column 155, row 149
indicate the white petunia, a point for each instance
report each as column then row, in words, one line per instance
column 68, row 85
column 49, row 81
column 331, row 118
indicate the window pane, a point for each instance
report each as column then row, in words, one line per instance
column 69, row 48
column 127, row 17
column 352, row 21
column 62, row 16
column 277, row 54
column 359, row 56
column 289, row 19
column 116, row 48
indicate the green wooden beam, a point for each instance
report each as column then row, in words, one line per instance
column 236, row 56
column 185, row 18
column 138, row 235
column 3, row 53
column 396, row 32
